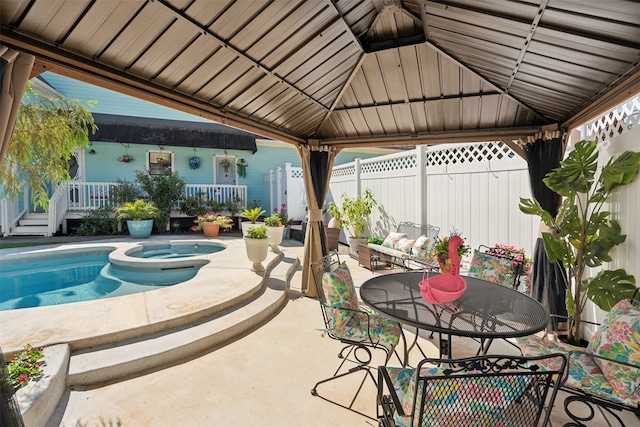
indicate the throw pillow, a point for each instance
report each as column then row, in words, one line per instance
column 392, row 239
column 619, row 338
column 404, row 245
column 422, row 248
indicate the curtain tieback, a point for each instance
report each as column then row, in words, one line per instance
column 315, row 215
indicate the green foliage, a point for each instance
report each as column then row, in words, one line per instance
column 375, row 240
column 273, row 220
column 24, row 366
column 163, row 188
column 354, row 213
column 124, row 191
column 258, row 232
column 584, row 232
column 139, row 210
column 194, row 205
column 252, row 214
column 47, row 132
column 232, row 205
column 99, row 221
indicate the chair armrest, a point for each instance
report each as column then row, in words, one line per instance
column 566, row 318
column 383, row 378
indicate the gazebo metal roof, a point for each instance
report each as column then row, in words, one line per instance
column 347, row 72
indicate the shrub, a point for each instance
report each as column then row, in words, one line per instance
column 24, row 366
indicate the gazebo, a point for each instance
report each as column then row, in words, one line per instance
column 327, row 74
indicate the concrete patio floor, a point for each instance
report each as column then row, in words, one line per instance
column 261, row 379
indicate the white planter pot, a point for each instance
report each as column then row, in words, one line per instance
column 246, row 225
column 275, row 238
column 257, row 250
column 353, row 246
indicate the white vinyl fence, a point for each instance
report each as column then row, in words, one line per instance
column 473, row 189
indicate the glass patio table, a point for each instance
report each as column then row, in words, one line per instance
column 485, row 311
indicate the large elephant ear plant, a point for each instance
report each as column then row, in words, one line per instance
column 585, row 233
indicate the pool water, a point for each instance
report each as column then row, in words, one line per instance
column 66, row 276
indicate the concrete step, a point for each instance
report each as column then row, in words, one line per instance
column 119, row 361
column 33, row 222
column 30, row 230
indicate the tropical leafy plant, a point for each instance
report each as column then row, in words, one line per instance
column 24, row 366
column 47, row 132
column 257, row 232
column 584, row 233
column 354, row 213
column 98, row 221
column 252, row 214
column 124, row 191
column 139, row 210
column 163, row 187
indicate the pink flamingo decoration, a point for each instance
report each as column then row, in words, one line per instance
column 445, row 287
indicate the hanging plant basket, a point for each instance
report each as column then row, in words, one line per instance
column 194, row 162
column 125, row 158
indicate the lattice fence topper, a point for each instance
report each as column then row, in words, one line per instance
column 297, row 173
column 393, row 164
column 344, row 171
column 615, row 123
column 475, row 153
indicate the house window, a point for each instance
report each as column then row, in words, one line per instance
column 159, row 161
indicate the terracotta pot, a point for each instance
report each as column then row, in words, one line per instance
column 210, row 229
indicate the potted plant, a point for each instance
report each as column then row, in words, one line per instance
column 257, row 245
column 583, row 232
column 252, row 215
column 353, row 216
column 163, row 188
column 284, row 219
column 210, row 223
column 275, row 231
column 440, row 252
column 139, row 215
column 225, row 163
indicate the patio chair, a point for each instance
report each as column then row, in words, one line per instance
column 508, row 391
column 494, row 268
column 604, row 377
column 346, row 321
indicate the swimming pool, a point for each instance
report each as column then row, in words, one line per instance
column 64, row 276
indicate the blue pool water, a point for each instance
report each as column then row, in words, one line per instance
column 66, row 276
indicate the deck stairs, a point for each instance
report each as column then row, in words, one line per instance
column 32, row 224
column 121, row 360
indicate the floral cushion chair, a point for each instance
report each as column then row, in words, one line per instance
column 345, row 320
column 607, row 372
column 501, row 391
column 492, row 269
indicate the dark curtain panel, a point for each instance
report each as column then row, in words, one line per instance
column 9, row 410
column 548, row 281
column 319, row 165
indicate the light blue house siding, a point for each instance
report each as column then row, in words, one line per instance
column 103, row 166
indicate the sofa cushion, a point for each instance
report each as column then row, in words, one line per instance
column 404, row 245
column 618, row 338
column 392, row 239
column 422, row 248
